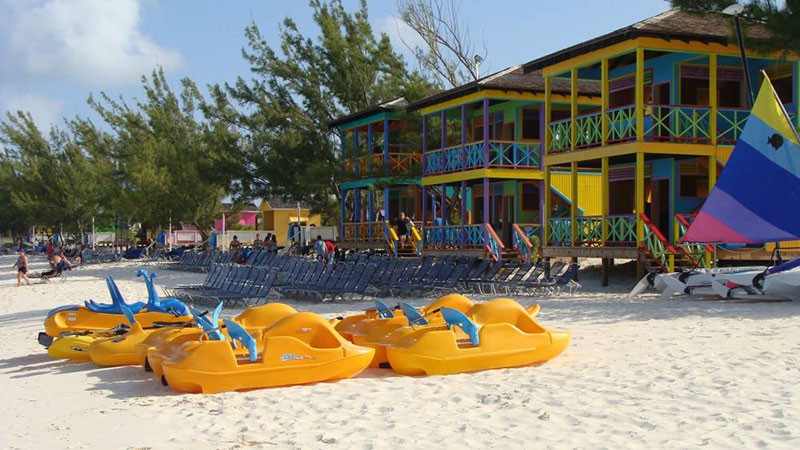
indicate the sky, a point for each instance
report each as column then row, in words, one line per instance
column 55, row 53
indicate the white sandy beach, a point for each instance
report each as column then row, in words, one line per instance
column 640, row 373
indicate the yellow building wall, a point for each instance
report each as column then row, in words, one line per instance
column 589, row 190
column 278, row 221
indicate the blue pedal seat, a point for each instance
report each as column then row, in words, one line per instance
column 454, row 317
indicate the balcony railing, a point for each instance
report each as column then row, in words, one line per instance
column 364, row 232
column 662, row 123
column 476, row 236
column 373, row 165
column 502, row 154
column 621, row 231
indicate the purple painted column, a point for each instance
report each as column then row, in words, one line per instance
column 342, row 213
column 386, row 146
column 486, row 194
column 424, row 145
column 486, row 133
column 356, row 152
column 369, row 148
column 463, row 136
column 443, row 189
column 542, row 193
column 463, row 212
column 357, row 209
column 443, row 139
column 370, row 212
column 423, row 224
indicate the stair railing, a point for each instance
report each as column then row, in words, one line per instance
column 416, row 238
column 522, row 244
column 391, row 237
column 657, row 247
column 493, row 243
column 701, row 255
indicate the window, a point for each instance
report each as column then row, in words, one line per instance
column 783, row 86
column 530, row 197
column 729, row 93
column 530, row 123
column 693, row 179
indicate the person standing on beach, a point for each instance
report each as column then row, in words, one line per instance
column 22, row 267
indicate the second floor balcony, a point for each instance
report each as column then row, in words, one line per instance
column 394, row 163
column 661, row 123
column 476, row 155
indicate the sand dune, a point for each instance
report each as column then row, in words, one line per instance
column 640, row 373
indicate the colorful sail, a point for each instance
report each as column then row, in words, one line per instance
column 757, row 197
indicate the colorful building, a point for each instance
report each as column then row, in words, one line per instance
column 604, row 149
column 381, row 171
column 673, row 101
column 482, row 168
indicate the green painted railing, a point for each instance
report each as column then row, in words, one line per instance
column 621, row 124
column 561, row 137
column 590, row 130
column 560, row 232
column 621, row 230
column 589, row 231
column 657, row 246
column 677, row 123
column 702, row 255
column 730, row 122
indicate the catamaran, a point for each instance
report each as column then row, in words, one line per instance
column 754, row 201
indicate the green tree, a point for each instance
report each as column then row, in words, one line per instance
column 53, row 179
column 172, row 161
column 298, row 89
column 780, row 19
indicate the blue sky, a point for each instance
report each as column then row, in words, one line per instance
column 55, row 53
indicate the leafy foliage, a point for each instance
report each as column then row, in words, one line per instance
column 780, row 19
column 301, row 87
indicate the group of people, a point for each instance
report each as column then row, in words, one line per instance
column 326, row 249
column 270, row 243
column 58, row 263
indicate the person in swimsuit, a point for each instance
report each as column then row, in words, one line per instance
column 22, row 267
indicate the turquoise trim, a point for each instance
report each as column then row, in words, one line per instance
column 365, row 183
column 564, row 197
column 367, row 120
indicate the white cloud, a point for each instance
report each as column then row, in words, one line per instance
column 401, row 35
column 45, row 111
column 95, row 42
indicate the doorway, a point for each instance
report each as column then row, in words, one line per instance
column 659, row 205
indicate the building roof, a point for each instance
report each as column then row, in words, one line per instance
column 280, row 203
column 510, row 79
column 392, row 105
column 708, row 27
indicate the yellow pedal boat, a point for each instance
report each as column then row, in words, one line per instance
column 346, row 326
column 98, row 317
column 77, row 346
column 370, row 332
column 298, row 349
column 500, row 333
column 151, row 352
